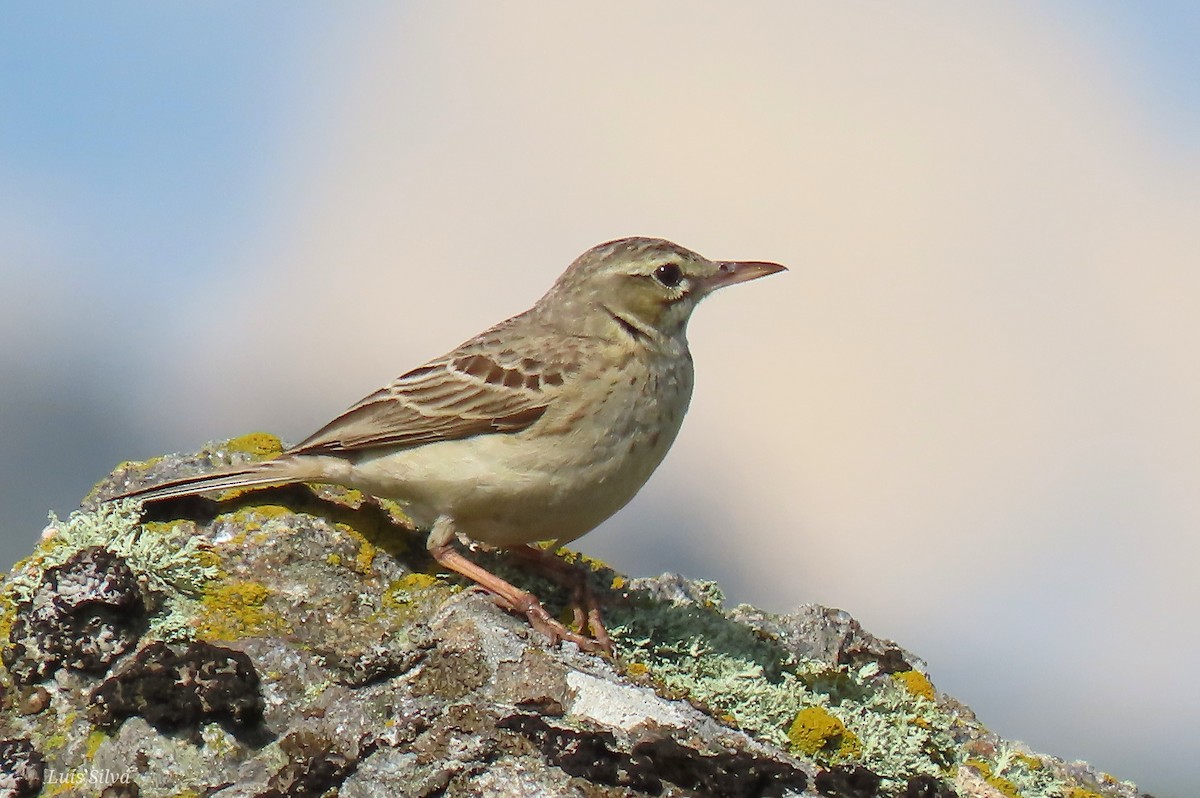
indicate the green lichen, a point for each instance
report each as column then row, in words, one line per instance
column 691, row 649
column 173, row 563
column 1028, row 774
column 170, row 562
column 984, row 769
column 1019, row 775
column 234, row 610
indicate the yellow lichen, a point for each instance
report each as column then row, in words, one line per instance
column 355, row 497
column 418, row 581
column 1001, row 784
column 256, row 444
column 916, row 683
column 576, row 558
column 1080, row 792
column 159, row 527
column 207, row 558
column 366, row 549
column 8, row 615
column 1004, row 786
column 408, row 588
column 365, row 557
column 140, row 465
column 636, row 670
column 234, row 610
column 817, row 733
column 94, row 741
column 252, row 518
column 1031, row 763
column 394, row 511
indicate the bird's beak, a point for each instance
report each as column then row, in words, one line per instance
column 739, row 271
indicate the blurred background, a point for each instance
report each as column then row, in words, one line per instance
column 968, row 415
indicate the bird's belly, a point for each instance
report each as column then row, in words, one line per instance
column 557, row 479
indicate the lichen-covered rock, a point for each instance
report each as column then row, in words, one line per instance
column 85, row 613
column 176, row 690
column 848, row 781
column 22, row 769
column 300, row 641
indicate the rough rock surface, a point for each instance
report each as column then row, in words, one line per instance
column 300, row 642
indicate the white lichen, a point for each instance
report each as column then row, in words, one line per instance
column 168, row 562
column 1028, row 773
column 761, row 688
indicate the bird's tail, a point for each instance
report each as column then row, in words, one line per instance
column 272, row 472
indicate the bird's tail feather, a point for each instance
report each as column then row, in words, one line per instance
column 272, row 472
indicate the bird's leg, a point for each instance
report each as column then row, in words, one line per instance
column 584, row 604
column 513, row 598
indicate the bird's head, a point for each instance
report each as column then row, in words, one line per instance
column 645, row 287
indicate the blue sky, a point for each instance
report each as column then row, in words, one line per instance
column 176, row 179
column 154, row 125
column 1157, row 41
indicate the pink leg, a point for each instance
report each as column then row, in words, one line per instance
column 586, row 608
column 514, row 599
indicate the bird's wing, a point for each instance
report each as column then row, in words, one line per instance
column 481, row 387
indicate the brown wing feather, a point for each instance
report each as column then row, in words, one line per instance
column 479, row 388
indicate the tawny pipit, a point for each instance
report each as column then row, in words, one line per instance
column 537, row 429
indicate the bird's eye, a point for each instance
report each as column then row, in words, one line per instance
column 669, row 274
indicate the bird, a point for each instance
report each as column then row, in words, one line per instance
column 537, row 429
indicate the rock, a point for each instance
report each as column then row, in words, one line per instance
column 84, row 614
column 299, row 641
column 22, row 769
column 181, row 689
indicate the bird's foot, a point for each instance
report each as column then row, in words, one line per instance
column 554, row 629
column 585, row 608
column 512, row 598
